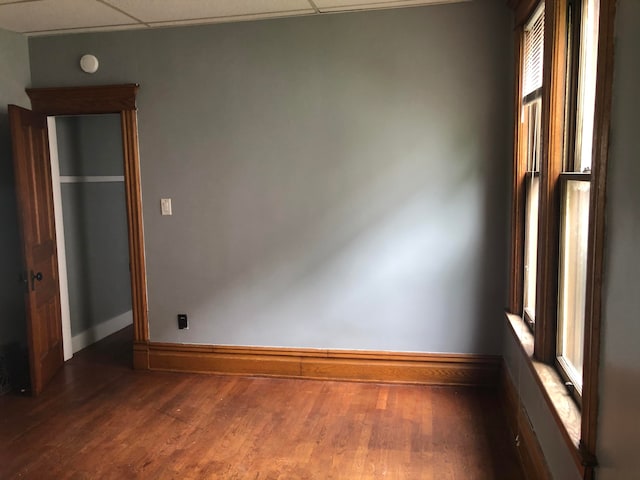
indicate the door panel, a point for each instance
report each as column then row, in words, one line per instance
column 35, row 207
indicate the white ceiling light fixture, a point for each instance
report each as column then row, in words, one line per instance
column 89, row 63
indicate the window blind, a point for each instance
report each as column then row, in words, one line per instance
column 533, row 53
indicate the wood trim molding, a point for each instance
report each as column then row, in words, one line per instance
column 523, row 9
column 83, row 100
column 140, row 354
column 516, row 271
column 114, row 99
column 530, row 453
column 365, row 366
column 553, row 119
column 129, row 122
column 597, row 204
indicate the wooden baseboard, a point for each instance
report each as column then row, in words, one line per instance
column 529, row 450
column 140, row 355
column 366, row 366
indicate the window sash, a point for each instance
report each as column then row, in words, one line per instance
column 531, row 135
column 532, row 198
column 572, row 278
column 586, row 94
column 532, row 130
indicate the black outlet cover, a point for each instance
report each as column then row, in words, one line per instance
column 182, row 321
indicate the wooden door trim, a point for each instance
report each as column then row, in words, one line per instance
column 84, row 100
column 114, row 99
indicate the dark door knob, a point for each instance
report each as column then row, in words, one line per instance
column 34, row 277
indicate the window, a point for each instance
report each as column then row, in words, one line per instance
column 530, row 133
column 563, row 101
column 575, row 185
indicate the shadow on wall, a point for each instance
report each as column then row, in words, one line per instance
column 336, row 189
column 14, row 361
column 12, row 313
column 406, row 241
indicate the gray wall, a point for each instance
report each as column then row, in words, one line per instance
column 14, row 77
column 95, row 222
column 619, row 422
column 90, row 145
column 337, row 181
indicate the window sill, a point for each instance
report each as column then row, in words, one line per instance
column 564, row 409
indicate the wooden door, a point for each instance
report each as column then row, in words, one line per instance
column 35, row 207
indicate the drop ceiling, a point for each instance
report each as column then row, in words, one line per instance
column 47, row 17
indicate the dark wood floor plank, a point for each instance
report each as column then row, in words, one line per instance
column 100, row 419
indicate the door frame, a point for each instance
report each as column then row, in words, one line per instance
column 119, row 99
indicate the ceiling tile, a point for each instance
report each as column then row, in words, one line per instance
column 233, row 18
column 47, row 15
column 340, row 5
column 105, row 28
column 177, row 10
column 17, row 1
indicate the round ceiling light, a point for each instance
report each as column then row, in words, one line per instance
column 89, row 63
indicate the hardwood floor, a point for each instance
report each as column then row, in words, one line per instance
column 101, row 420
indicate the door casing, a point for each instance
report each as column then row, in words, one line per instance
column 119, row 99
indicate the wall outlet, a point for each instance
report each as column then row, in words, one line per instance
column 182, row 321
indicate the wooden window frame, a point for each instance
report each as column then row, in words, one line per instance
column 555, row 93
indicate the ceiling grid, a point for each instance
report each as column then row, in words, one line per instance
column 50, row 17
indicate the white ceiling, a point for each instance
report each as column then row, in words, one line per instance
column 46, row 17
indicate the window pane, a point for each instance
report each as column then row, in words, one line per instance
column 533, row 52
column 533, row 129
column 532, row 119
column 531, row 245
column 530, row 147
column 573, row 277
column 586, row 85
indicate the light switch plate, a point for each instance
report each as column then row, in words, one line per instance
column 165, row 206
